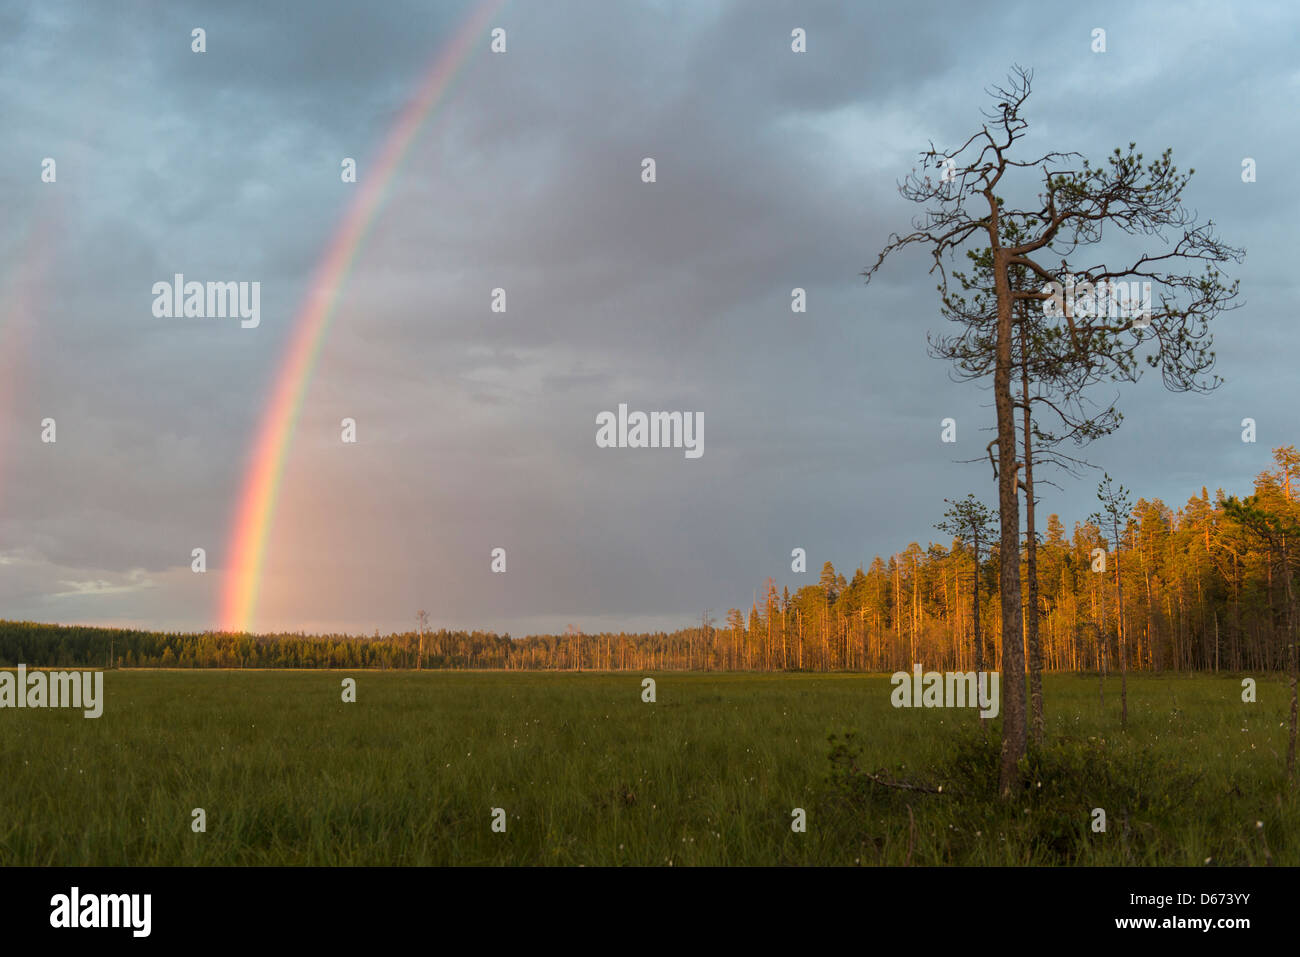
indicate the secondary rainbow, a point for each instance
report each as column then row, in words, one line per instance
column 21, row 294
column 256, row 506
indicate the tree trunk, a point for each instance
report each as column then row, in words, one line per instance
column 1013, row 649
column 1031, row 558
column 1295, row 672
column 975, row 620
column 1119, row 628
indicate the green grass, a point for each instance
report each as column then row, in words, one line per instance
column 589, row 774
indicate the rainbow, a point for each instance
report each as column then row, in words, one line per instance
column 256, row 506
column 19, row 306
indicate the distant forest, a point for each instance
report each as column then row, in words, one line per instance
column 1201, row 591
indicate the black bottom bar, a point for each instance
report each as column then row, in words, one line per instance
column 333, row 906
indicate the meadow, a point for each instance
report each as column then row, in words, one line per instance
column 587, row 773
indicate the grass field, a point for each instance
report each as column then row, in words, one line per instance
column 587, row 773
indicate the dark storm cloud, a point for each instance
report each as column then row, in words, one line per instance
column 775, row 170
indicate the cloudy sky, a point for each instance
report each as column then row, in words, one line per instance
column 476, row 429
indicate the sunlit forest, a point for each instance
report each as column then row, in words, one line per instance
column 1200, row 589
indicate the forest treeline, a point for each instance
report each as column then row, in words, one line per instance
column 1200, row 593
